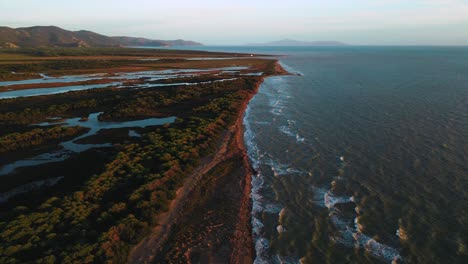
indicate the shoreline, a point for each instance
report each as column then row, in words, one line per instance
column 232, row 145
column 239, row 248
column 243, row 243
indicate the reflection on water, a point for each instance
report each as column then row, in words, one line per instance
column 49, row 79
column 70, row 147
column 54, row 90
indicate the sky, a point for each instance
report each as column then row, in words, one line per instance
column 358, row 22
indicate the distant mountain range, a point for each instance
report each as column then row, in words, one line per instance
column 51, row 36
column 292, row 42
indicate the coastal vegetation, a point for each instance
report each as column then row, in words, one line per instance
column 109, row 203
column 37, row 136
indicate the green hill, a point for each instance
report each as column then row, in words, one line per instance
column 51, row 36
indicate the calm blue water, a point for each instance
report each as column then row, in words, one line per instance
column 363, row 159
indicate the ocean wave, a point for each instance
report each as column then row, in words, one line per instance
column 326, row 198
column 257, row 226
column 286, row 130
column 261, row 248
column 331, row 200
column 258, row 201
column 350, row 233
column 257, row 184
column 280, row 169
column 291, row 130
column 277, row 96
column 376, row 249
column 299, row 138
column 346, row 229
column 277, row 111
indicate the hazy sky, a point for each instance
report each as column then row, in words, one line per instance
column 383, row 22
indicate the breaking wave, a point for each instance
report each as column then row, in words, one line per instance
column 274, row 91
column 350, row 232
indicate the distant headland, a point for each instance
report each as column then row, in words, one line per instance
column 292, row 42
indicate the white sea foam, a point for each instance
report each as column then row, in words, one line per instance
column 291, row 130
column 331, row 200
column 299, row 138
column 354, row 237
column 348, row 234
column 257, row 182
column 257, row 226
column 346, row 231
column 261, row 248
column 286, row 130
column 326, row 198
column 257, row 198
column 280, row 169
column 375, row 248
column 277, row 110
column 277, row 97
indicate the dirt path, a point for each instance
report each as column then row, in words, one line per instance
column 147, row 249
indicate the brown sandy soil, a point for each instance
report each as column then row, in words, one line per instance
column 149, row 248
column 221, row 231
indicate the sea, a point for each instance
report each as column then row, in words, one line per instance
column 361, row 156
